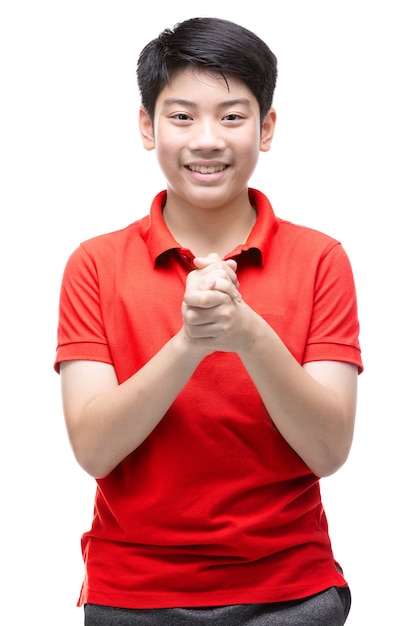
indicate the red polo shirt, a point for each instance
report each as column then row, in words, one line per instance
column 214, row 507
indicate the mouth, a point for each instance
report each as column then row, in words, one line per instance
column 207, row 169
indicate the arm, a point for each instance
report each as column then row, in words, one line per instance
column 313, row 406
column 107, row 421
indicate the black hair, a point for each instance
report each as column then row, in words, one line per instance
column 211, row 44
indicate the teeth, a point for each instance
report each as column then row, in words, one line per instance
column 207, row 170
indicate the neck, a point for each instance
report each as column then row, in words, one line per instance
column 210, row 229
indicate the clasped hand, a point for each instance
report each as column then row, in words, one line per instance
column 210, row 312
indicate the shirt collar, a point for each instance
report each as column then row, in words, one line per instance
column 161, row 243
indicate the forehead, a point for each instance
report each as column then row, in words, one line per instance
column 195, row 84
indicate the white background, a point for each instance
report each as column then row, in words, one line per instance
column 72, row 166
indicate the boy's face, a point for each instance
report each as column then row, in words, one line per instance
column 207, row 135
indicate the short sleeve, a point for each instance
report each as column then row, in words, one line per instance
column 334, row 327
column 81, row 333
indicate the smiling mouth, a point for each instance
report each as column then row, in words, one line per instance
column 204, row 169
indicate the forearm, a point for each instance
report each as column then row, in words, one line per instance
column 107, row 421
column 313, row 406
column 115, row 422
column 313, row 418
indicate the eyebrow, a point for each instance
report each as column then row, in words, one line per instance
column 222, row 105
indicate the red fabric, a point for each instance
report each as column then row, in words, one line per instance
column 214, row 507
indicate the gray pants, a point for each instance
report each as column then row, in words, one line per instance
column 329, row 608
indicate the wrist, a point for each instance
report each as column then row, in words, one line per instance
column 189, row 352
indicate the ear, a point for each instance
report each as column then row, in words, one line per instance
column 146, row 129
column 267, row 130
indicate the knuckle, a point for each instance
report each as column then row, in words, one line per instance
column 205, row 298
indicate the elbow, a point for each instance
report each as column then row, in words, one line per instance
column 323, row 470
column 92, row 462
column 329, row 461
column 96, row 470
column 332, row 449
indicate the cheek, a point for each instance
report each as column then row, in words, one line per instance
column 166, row 154
column 250, row 150
column 250, row 142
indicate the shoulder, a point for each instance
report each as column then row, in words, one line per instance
column 106, row 252
column 305, row 234
column 286, row 236
column 112, row 241
column 304, row 242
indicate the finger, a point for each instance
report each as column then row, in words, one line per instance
column 205, row 298
column 221, row 284
column 213, row 264
column 203, row 261
column 232, row 264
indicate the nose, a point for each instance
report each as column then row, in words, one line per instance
column 207, row 136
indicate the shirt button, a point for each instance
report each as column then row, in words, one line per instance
column 186, row 258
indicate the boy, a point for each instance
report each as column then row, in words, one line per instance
column 209, row 358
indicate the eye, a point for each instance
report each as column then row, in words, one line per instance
column 233, row 117
column 183, row 117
